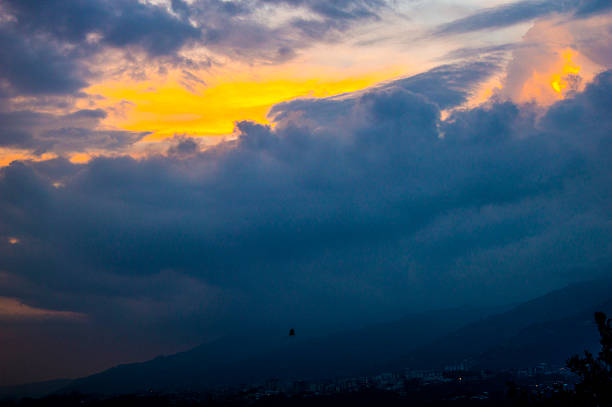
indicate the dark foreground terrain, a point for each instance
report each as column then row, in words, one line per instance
column 433, row 389
column 439, row 395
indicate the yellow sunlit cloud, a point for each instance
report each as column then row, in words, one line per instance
column 559, row 80
column 168, row 107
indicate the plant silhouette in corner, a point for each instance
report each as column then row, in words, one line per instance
column 595, row 386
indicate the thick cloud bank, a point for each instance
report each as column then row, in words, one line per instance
column 350, row 207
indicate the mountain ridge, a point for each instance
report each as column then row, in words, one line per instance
column 427, row 340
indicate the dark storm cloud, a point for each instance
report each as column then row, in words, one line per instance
column 119, row 23
column 44, row 46
column 363, row 202
column 73, row 132
column 514, row 13
column 34, row 66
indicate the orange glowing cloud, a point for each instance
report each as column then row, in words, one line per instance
column 80, row 158
column 8, row 155
column 548, row 66
column 11, row 309
column 553, row 80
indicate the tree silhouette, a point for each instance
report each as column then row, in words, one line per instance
column 595, row 387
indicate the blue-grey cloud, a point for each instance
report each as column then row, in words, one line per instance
column 232, row 27
column 480, row 52
column 34, row 66
column 44, row 46
column 342, row 10
column 518, row 12
column 589, row 7
column 73, row 132
column 183, row 145
column 119, row 23
column 447, row 86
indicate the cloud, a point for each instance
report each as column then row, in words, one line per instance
column 63, row 133
column 343, row 9
column 469, row 53
column 240, row 29
column 11, row 309
column 446, row 86
column 361, row 171
column 502, row 16
column 589, row 7
column 121, row 23
column 45, row 46
column 518, row 12
column 48, row 48
column 35, row 66
column 557, row 57
column 184, row 146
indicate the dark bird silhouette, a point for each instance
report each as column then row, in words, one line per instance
column 292, row 332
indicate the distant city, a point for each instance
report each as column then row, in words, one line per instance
column 540, row 379
column 455, row 385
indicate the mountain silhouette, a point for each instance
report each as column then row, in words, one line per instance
column 547, row 329
column 241, row 359
column 520, row 336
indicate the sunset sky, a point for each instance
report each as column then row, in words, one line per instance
column 172, row 169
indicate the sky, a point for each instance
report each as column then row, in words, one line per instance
column 171, row 171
